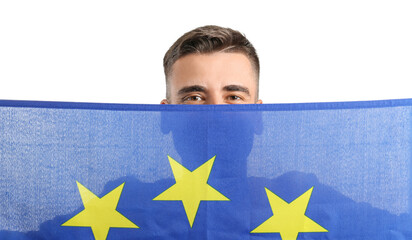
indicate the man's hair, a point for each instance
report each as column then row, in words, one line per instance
column 209, row 39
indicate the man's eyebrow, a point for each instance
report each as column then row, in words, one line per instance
column 236, row 88
column 189, row 89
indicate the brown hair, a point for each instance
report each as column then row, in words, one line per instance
column 209, row 39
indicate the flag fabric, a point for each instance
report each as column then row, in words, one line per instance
column 270, row 171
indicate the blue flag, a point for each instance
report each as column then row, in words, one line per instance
column 276, row 171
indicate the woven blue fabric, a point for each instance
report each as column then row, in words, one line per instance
column 354, row 157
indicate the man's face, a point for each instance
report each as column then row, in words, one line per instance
column 216, row 78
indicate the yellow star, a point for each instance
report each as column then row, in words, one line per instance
column 289, row 218
column 191, row 188
column 100, row 213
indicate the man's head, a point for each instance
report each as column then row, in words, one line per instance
column 211, row 65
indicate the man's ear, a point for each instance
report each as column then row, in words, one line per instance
column 165, row 119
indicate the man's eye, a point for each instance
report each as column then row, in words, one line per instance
column 192, row 99
column 234, row 98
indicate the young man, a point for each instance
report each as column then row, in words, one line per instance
column 211, row 65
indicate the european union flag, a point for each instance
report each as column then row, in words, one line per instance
column 276, row 171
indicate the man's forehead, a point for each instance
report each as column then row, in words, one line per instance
column 204, row 61
column 193, row 68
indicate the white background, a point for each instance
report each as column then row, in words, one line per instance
column 112, row 51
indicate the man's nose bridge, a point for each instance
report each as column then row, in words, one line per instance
column 214, row 99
